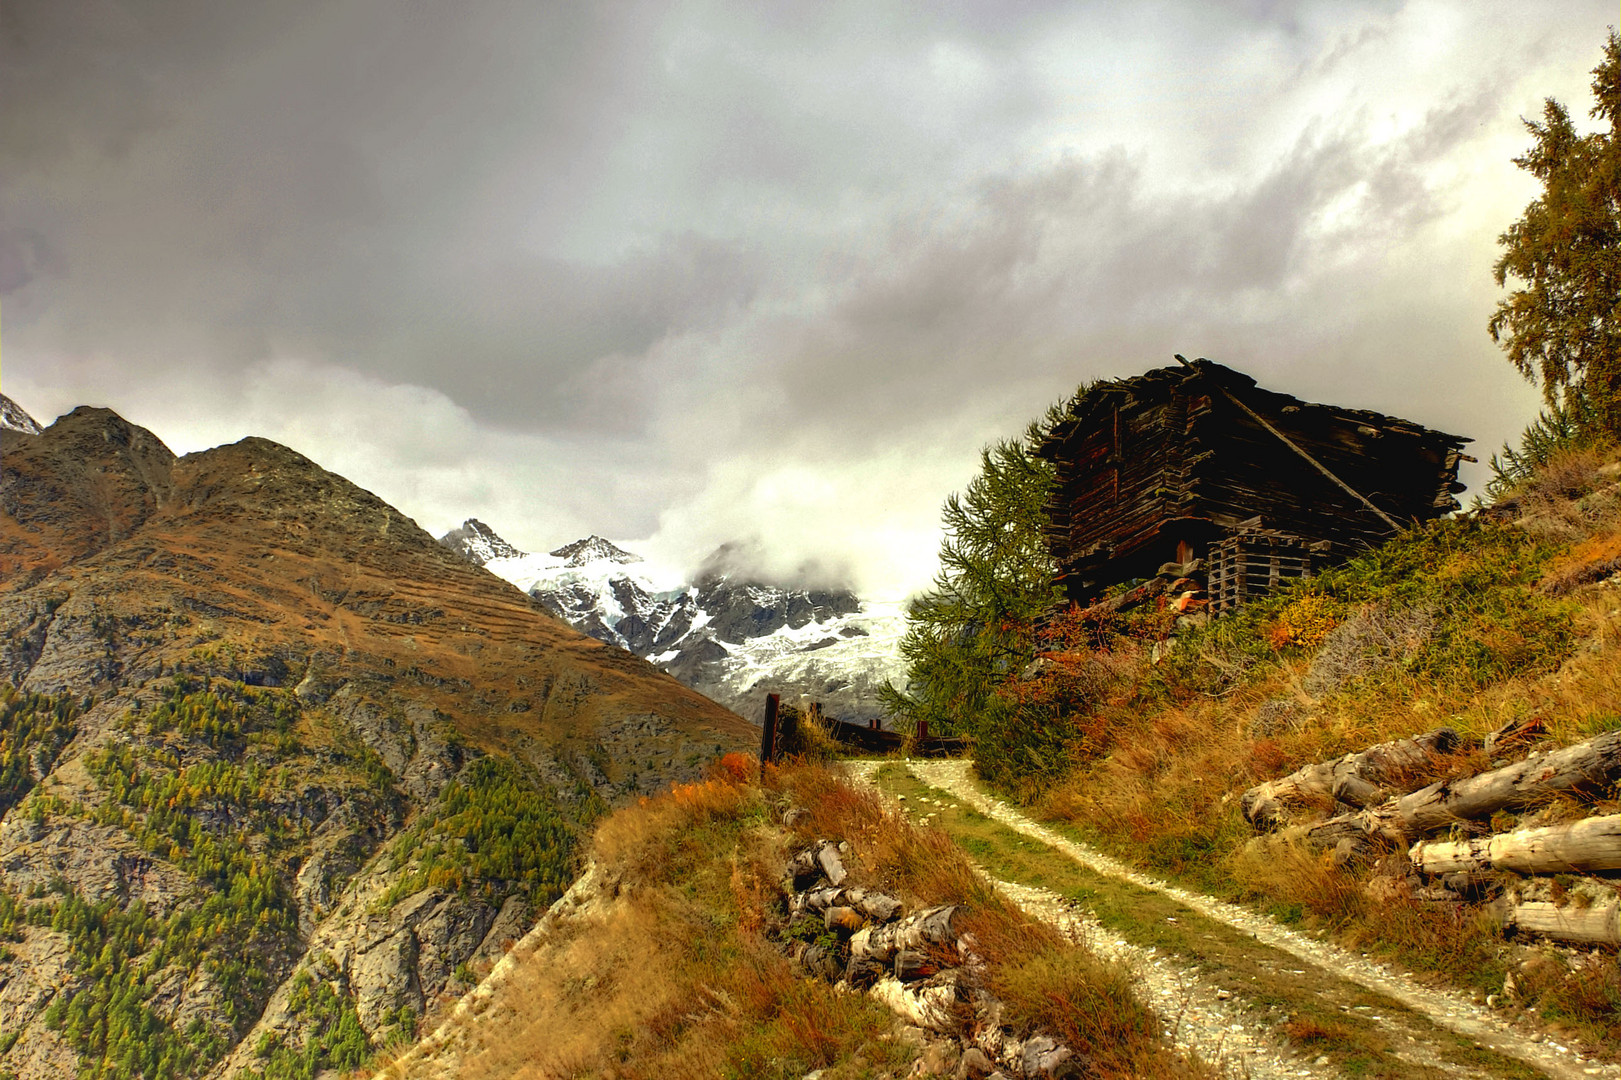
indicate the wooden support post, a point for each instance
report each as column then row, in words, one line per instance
column 768, row 730
column 922, row 737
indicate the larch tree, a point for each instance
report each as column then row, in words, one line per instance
column 1563, row 326
column 973, row 629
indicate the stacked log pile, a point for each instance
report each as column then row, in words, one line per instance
column 1381, row 807
column 921, row 964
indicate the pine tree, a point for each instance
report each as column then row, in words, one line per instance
column 973, row 629
column 1564, row 326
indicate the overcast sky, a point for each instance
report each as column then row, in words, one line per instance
column 684, row 274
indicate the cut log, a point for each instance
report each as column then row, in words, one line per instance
column 874, row 905
column 928, row 1005
column 861, row 973
column 878, row 907
column 911, row 965
column 1591, row 844
column 822, row 898
column 1356, row 791
column 1366, row 778
column 844, row 920
column 1584, row 766
column 821, row 961
column 833, row 866
column 1596, row 924
column 803, row 868
column 931, row 926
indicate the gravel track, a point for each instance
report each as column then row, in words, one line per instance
column 1216, row 1031
column 1198, row 1016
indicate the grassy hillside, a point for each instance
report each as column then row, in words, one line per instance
column 679, row 961
column 1140, row 735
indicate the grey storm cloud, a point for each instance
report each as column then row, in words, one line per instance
column 703, row 272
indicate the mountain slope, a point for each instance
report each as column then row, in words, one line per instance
column 289, row 759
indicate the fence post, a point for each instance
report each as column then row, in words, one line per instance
column 768, row 731
column 921, row 738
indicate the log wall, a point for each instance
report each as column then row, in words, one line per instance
column 1165, row 457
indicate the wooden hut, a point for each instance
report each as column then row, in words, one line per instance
column 1197, row 467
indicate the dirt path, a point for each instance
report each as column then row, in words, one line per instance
column 1200, row 1017
column 1446, row 1010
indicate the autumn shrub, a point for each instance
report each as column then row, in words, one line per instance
column 1304, row 622
column 737, row 768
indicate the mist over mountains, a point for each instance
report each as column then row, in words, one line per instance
column 725, row 632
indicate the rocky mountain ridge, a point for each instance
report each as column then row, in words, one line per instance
column 477, row 542
column 277, row 770
column 726, row 634
column 14, row 417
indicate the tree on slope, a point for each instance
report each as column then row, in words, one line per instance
column 1564, row 326
column 973, row 629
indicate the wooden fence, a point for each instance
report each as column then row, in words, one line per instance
column 775, row 734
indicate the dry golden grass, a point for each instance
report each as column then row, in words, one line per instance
column 674, row 975
column 680, row 972
column 1046, row 983
column 1182, row 752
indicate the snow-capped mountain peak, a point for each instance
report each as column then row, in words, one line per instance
column 478, row 542
column 593, row 549
column 726, row 634
column 14, row 418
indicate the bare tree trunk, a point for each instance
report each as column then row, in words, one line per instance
column 1591, row 844
column 1361, row 779
column 1580, row 767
